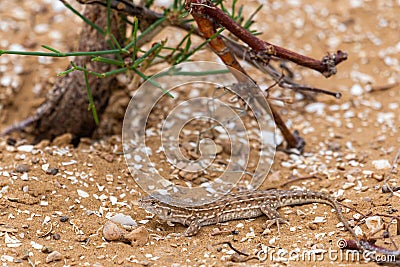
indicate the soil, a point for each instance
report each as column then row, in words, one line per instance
column 56, row 197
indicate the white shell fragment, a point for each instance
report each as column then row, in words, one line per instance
column 82, row 193
column 123, row 219
column 381, row 164
column 316, row 108
column 25, row 148
column 11, row 241
column 319, row 219
column 373, row 223
column 356, row 90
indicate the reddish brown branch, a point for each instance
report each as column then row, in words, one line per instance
column 292, row 140
column 207, row 30
column 327, row 66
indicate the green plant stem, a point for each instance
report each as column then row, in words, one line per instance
column 68, row 54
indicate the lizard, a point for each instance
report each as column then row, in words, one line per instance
column 244, row 205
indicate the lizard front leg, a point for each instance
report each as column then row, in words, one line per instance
column 193, row 229
column 273, row 217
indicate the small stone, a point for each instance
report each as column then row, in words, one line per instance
column 24, row 177
column 41, row 28
column 62, row 140
column 334, row 146
column 81, row 238
column 108, row 157
column 348, row 185
column 381, row 164
column 378, row 177
column 112, row 232
column 11, row 141
column 54, row 256
column 52, row 171
column 319, row 219
column 82, row 193
column 22, row 168
column 64, row 218
column 138, row 237
column 25, row 148
column 373, row 223
column 275, row 177
column 35, row 160
column 317, row 108
column 47, row 250
column 43, row 144
column 56, row 236
column 356, row 90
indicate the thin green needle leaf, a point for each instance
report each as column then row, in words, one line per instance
column 91, row 102
column 68, row 54
column 200, row 46
column 151, row 80
column 51, row 49
column 152, row 27
column 250, row 21
column 108, row 18
column 86, row 20
column 108, row 61
column 134, row 36
column 65, row 72
column 145, row 55
column 106, row 74
column 233, row 8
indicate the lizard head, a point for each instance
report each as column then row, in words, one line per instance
column 155, row 206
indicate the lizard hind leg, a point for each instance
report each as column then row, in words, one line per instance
column 273, row 217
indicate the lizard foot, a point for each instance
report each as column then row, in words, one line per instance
column 276, row 221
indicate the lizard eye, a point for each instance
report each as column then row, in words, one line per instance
column 169, row 212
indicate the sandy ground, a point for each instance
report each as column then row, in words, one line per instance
column 55, row 197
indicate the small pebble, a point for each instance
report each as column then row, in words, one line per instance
column 62, row 140
column 52, row 171
column 373, row 223
column 56, row 236
column 54, row 256
column 22, row 168
column 64, row 218
column 82, row 193
column 381, row 164
column 356, row 90
column 138, row 237
column 47, row 250
column 319, row 219
column 112, row 232
column 81, row 238
column 11, row 141
column 25, row 148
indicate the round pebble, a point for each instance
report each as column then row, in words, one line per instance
column 64, row 218
column 54, row 256
column 52, row 171
column 112, row 232
column 22, row 168
column 56, row 236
